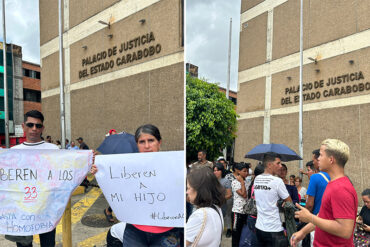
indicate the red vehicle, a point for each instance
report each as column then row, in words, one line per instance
column 13, row 140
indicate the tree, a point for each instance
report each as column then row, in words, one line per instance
column 210, row 119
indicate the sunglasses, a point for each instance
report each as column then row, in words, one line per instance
column 30, row 125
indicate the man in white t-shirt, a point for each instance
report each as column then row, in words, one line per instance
column 268, row 189
column 32, row 128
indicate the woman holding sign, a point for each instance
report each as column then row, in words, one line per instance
column 148, row 139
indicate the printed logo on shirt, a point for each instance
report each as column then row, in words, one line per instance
column 262, row 187
column 264, row 180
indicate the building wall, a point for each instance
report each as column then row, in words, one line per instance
column 29, row 82
column 33, row 84
column 336, row 35
column 124, row 88
column 12, row 51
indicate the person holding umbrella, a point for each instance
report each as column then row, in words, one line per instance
column 148, row 139
column 268, row 189
column 117, row 144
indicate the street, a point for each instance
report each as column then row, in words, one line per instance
column 226, row 242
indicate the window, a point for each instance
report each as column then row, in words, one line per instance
column 27, row 72
column 234, row 100
column 31, row 73
column 31, row 95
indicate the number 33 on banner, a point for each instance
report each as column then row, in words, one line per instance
column 30, row 194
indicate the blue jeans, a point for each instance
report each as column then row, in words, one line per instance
column 248, row 237
column 271, row 239
column 135, row 237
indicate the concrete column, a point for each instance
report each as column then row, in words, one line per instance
column 67, row 74
column 267, row 113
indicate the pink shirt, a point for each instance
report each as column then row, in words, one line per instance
column 153, row 229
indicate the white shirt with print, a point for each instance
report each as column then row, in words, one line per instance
column 268, row 189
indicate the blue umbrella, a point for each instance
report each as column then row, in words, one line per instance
column 118, row 144
column 258, row 152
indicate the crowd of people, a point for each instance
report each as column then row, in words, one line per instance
column 68, row 145
column 263, row 207
column 268, row 208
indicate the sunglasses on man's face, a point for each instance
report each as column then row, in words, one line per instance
column 30, row 125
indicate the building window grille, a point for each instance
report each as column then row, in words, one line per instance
column 31, row 74
column 31, row 95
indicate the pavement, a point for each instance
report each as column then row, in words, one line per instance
column 226, row 242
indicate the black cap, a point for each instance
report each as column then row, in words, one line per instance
column 80, row 138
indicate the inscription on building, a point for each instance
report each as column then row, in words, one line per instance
column 117, row 56
column 349, row 83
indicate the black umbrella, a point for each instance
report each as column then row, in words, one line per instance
column 118, row 144
column 286, row 154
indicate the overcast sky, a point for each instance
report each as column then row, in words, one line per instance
column 207, row 38
column 22, row 27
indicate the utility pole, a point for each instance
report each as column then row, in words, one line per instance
column 66, row 222
column 228, row 75
column 301, row 91
column 229, row 61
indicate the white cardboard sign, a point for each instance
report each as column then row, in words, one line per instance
column 144, row 188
